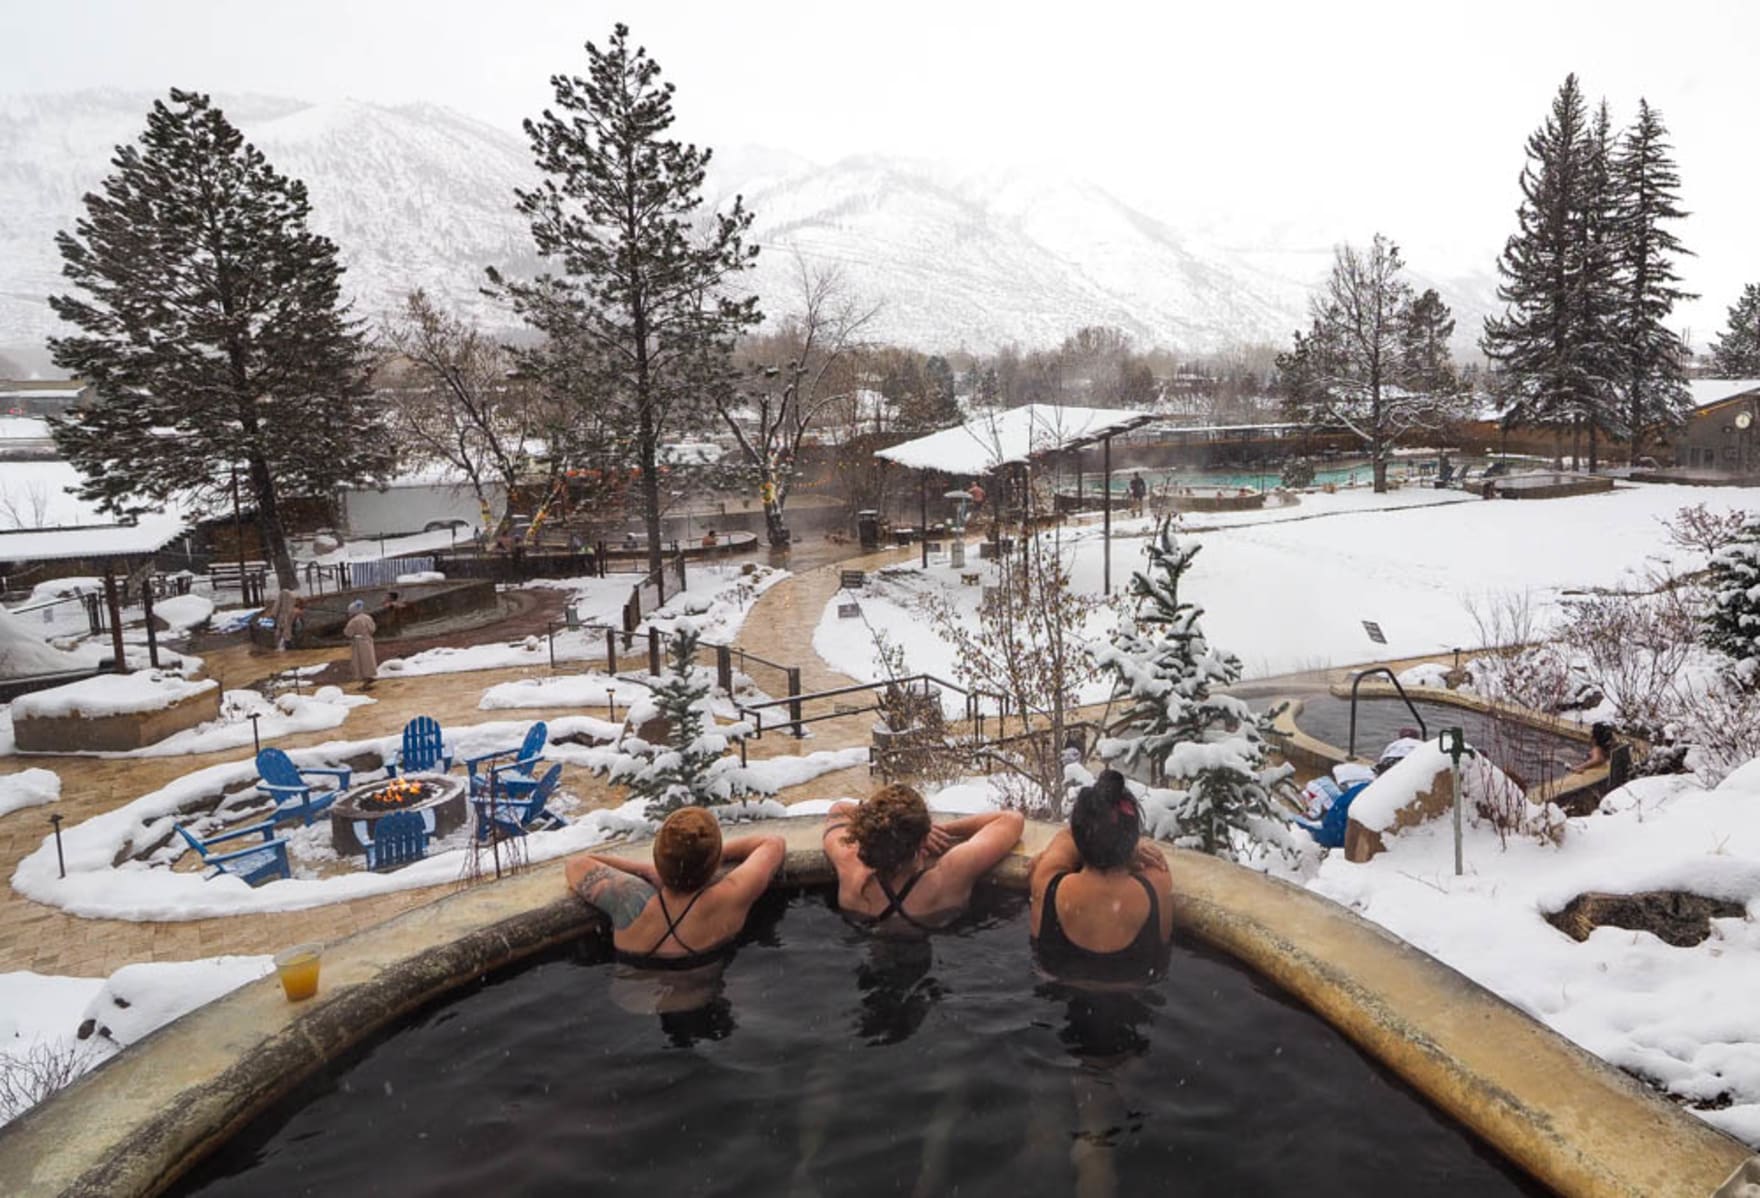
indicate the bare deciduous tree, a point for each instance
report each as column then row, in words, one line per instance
column 816, row 347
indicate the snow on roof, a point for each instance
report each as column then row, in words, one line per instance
column 1709, row 391
column 148, row 535
column 995, row 439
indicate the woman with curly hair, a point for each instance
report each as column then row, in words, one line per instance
column 674, row 914
column 1102, row 900
column 898, row 870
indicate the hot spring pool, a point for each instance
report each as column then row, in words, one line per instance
column 828, row 1062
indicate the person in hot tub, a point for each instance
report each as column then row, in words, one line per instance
column 897, row 871
column 1102, row 901
column 674, row 914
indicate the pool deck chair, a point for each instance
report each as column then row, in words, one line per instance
column 397, row 839
column 505, row 816
column 424, row 750
column 256, row 864
column 287, row 784
column 516, row 778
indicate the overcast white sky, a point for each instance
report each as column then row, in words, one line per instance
column 1294, row 121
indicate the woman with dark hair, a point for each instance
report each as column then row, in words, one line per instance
column 1102, row 900
column 897, row 869
column 674, row 914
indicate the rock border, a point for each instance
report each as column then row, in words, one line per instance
column 135, row 1125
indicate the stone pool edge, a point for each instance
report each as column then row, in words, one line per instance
column 138, row 1123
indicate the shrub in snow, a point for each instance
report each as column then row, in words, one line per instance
column 31, row 1073
column 689, row 769
column 1732, row 627
column 1210, row 748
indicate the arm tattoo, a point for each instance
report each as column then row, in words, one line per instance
column 619, row 895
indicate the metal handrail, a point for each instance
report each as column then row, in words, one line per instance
column 757, row 709
column 1357, row 681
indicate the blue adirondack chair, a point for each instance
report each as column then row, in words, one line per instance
column 506, row 816
column 516, row 778
column 424, row 751
column 396, row 839
column 1328, row 830
column 256, row 864
column 286, row 783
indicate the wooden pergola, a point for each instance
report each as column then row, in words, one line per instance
column 1016, row 438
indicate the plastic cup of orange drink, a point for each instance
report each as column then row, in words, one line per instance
column 297, row 968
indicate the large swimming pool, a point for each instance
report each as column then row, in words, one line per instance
column 824, row 1061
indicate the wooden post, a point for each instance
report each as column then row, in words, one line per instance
column 113, row 601
column 238, row 538
column 724, row 667
column 611, row 651
column 653, row 651
column 794, row 700
column 152, row 633
column 923, row 513
column 1106, row 517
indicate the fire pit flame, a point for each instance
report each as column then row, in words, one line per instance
column 395, row 794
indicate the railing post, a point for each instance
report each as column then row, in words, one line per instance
column 724, row 667
column 611, row 650
column 653, row 651
column 550, row 635
column 794, row 705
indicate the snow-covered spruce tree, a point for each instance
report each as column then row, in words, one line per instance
column 1209, row 749
column 690, row 769
column 1647, row 187
column 1732, row 625
column 1552, row 343
column 211, row 327
column 640, row 318
column 1736, row 354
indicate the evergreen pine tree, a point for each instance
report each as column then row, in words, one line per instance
column 1209, row 748
column 212, row 330
column 1732, row 624
column 1736, row 354
column 1647, row 184
column 1426, row 327
column 690, row 769
column 1598, row 291
column 1548, row 345
column 638, row 320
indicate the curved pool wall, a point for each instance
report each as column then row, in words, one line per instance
column 1568, row 1119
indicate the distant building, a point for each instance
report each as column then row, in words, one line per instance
column 1722, row 433
column 41, row 397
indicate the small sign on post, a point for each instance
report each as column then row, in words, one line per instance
column 849, row 611
column 1374, row 631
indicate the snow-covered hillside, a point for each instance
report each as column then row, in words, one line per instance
column 418, row 195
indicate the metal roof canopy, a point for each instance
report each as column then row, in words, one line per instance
column 985, row 443
column 95, row 541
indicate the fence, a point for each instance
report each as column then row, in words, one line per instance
column 386, row 570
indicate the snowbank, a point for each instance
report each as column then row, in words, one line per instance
column 29, row 788
column 184, row 611
column 1684, row 1018
column 110, row 694
column 23, row 652
column 1378, row 805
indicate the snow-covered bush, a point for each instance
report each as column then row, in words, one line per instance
column 689, row 769
column 1209, row 748
column 1732, row 626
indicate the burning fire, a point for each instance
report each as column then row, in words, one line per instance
column 399, row 792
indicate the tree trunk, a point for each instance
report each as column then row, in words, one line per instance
column 1592, row 447
column 647, row 453
column 269, row 526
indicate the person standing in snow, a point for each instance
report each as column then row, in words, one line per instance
column 1139, row 490
column 899, row 871
column 359, row 630
column 1102, row 901
column 287, row 601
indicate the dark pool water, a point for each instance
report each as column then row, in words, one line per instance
column 831, row 1063
column 1530, row 754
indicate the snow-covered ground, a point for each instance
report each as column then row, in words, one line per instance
column 41, row 1015
column 28, row 788
column 1287, row 589
column 146, row 890
column 718, row 598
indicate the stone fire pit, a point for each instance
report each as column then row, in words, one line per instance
column 443, row 795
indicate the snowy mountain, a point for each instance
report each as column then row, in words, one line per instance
column 418, row 195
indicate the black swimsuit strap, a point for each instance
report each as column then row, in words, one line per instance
column 895, row 901
column 671, row 932
column 1150, row 931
